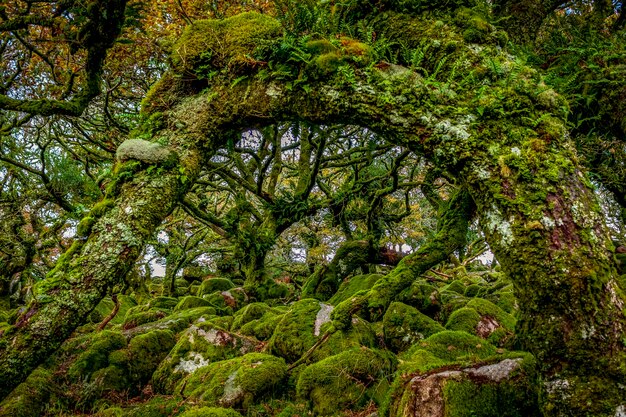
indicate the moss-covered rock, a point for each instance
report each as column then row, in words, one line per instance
column 423, row 296
column 200, row 345
column 191, row 302
column 212, row 285
column 296, row 331
column 250, row 312
column 353, row 285
column 146, row 351
column 262, row 328
column 236, row 382
column 501, row 387
column 344, row 381
column 454, row 345
column 96, row 354
column 484, row 319
column 211, row 412
column 158, row 406
column 175, row 322
column 404, row 325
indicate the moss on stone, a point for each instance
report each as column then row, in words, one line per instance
column 262, row 328
column 353, row 285
column 252, row 311
column 211, row 285
column 404, row 325
column 295, row 332
column 457, row 286
column 106, row 306
column 202, row 344
column 138, row 316
column 464, row 319
column 175, row 322
column 146, row 352
column 455, row 345
column 210, row 412
column 423, row 296
column 237, row 382
column 191, row 302
column 344, row 381
column 158, row 406
column 95, row 356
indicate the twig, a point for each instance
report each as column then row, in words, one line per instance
column 313, row 348
column 113, row 313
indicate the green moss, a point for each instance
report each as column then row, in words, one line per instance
column 262, row 328
column 344, row 381
column 423, row 296
column 211, row 285
column 111, row 378
column 229, row 43
column 487, row 308
column 404, row 325
column 456, row 286
column 353, row 285
column 95, row 356
column 236, row 382
column 473, row 290
column 175, row 322
column 210, row 412
column 250, row 312
column 360, row 334
column 294, row 334
column 146, row 351
column 136, row 318
column 158, row 406
column 30, row 398
column 202, row 344
column 455, row 345
column 464, row 319
column 191, row 302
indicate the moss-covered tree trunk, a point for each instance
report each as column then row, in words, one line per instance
column 94, row 263
column 542, row 220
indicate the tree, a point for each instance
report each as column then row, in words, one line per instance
column 439, row 84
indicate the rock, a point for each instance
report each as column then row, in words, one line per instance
column 234, row 383
column 344, row 381
column 355, row 284
column 404, row 325
column 191, row 302
column 211, row 412
column 212, row 285
column 305, row 323
column 202, row 344
column 501, row 388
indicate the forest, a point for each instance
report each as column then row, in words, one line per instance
column 358, row 208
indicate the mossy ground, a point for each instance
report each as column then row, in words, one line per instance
column 193, row 355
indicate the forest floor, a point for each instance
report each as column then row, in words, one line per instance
column 445, row 347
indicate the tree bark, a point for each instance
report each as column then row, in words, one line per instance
column 84, row 273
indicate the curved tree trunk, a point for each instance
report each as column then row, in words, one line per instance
column 452, row 229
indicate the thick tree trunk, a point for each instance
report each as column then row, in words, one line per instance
column 84, row 273
column 547, row 231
